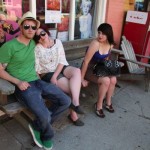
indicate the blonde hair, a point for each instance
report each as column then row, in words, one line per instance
column 88, row 2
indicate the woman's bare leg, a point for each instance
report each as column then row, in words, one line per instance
column 63, row 84
column 74, row 76
column 110, row 91
column 103, row 84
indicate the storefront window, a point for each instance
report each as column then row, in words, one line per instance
column 142, row 5
column 139, row 5
column 83, row 20
column 65, row 19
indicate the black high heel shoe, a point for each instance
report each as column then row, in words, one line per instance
column 77, row 109
column 78, row 122
column 100, row 112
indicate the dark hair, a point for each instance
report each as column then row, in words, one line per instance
column 36, row 37
column 106, row 29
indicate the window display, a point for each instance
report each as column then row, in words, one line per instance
column 83, row 21
column 84, row 17
column 53, row 4
column 64, row 25
column 63, row 28
column 50, row 15
column 53, row 11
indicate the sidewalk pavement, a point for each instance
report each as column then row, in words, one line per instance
column 126, row 129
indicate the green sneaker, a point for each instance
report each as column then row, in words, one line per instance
column 48, row 145
column 36, row 136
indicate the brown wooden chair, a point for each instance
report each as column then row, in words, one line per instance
column 137, row 69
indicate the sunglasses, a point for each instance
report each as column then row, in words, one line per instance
column 42, row 33
column 26, row 27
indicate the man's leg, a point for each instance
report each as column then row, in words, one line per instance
column 33, row 100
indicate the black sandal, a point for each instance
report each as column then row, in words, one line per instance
column 78, row 122
column 77, row 109
column 109, row 108
column 100, row 112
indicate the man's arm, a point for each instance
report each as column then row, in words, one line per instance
column 6, row 76
column 22, row 85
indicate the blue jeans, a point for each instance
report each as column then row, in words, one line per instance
column 32, row 98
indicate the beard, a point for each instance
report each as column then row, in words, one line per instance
column 27, row 35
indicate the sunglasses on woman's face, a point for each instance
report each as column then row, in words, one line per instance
column 26, row 27
column 42, row 33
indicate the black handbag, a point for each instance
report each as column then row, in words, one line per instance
column 107, row 68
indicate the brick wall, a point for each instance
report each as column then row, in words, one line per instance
column 116, row 10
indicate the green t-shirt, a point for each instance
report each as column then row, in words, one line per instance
column 20, row 59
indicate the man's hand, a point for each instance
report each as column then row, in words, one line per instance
column 23, row 85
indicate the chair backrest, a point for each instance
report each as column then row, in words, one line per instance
column 128, row 51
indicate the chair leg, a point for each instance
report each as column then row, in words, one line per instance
column 147, row 79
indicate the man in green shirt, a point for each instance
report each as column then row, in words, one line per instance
column 17, row 62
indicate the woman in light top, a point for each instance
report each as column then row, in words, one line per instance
column 52, row 66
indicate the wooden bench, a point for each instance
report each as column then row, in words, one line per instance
column 75, row 52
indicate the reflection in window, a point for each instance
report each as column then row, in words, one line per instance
column 8, row 23
column 65, row 6
column 139, row 5
column 7, row 2
column 25, row 6
column 12, row 8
